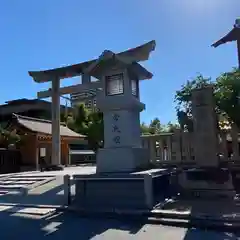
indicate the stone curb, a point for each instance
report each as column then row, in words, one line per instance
column 144, row 217
column 188, row 216
column 157, row 215
column 25, row 190
column 14, row 207
column 147, row 217
column 59, row 207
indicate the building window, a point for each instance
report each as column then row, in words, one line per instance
column 94, row 102
column 114, row 84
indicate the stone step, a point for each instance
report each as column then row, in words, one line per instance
column 16, row 182
column 27, row 179
column 16, row 186
column 30, row 176
column 27, row 210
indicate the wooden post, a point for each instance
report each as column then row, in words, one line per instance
column 37, row 152
column 66, row 152
column 56, row 141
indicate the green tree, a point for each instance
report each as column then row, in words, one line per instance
column 95, row 131
column 78, row 119
column 155, row 126
column 183, row 96
column 88, row 123
column 145, row 129
column 8, row 137
column 227, row 93
column 184, row 103
column 171, row 127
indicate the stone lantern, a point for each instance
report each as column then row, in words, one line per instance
column 119, row 101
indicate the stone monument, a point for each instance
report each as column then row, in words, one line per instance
column 205, row 127
column 208, row 179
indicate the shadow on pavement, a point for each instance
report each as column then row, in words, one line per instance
column 61, row 226
column 72, row 226
column 196, row 234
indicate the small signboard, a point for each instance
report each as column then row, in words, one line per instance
column 42, row 152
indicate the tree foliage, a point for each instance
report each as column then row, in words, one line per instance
column 88, row 123
column 8, row 137
column 155, row 127
column 226, row 94
column 183, row 96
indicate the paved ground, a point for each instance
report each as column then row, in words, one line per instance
column 68, row 226
column 34, row 226
column 68, row 170
column 18, row 182
column 50, row 193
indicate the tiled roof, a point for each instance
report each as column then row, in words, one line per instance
column 44, row 126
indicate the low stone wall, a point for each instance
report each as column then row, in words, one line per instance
column 207, row 183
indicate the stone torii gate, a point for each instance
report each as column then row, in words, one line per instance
column 85, row 70
column 233, row 35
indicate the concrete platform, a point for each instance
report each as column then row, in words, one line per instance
column 134, row 190
column 207, row 183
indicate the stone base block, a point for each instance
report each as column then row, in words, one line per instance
column 113, row 191
column 110, row 160
column 207, row 183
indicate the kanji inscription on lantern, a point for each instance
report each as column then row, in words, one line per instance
column 116, row 139
column 116, row 129
column 116, row 117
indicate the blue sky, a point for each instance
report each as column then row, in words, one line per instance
column 52, row 33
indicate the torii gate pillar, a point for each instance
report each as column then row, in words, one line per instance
column 56, row 138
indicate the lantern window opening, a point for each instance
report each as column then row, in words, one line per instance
column 134, row 87
column 114, row 84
